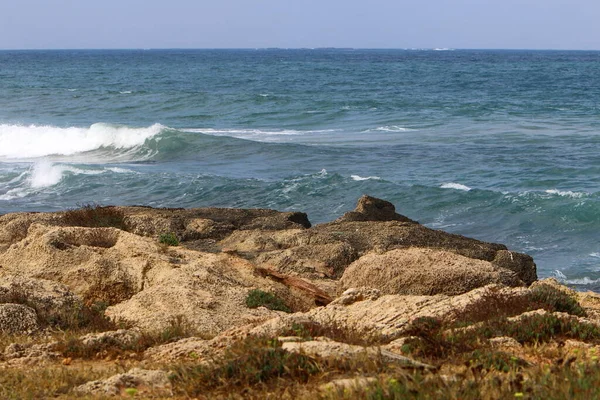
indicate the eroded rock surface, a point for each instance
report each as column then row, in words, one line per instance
column 226, row 253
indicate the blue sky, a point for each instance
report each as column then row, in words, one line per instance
column 529, row 24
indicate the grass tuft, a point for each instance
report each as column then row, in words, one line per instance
column 259, row 298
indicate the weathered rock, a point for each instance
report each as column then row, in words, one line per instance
column 388, row 317
column 420, row 271
column 373, row 209
column 148, row 383
column 121, row 338
column 345, row 385
column 223, row 251
column 52, row 300
column 18, row 354
column 325, row 348
column 17, row 318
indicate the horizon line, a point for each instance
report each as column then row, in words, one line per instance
column 294, row 48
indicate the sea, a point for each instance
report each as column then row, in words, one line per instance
column 502, row 146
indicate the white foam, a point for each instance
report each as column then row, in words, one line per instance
column 595, row 255
column 559, row 275
column 126, row 92
column 390, row 128
column 582, row 281
column 121, row 170
column 21, row 142
column 456, row 186
column 360, row 178
column 45, row 174
column 568, row 193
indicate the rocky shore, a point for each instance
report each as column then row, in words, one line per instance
column 233, row 303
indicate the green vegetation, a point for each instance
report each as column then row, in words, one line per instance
column 258, row 298
column 169, row 239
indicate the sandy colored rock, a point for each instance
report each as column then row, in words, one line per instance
column 148, row 383
column 348, row 384
column 17, row 354
column 387, row 317
column 51, row 299
column 120, row 338
column 420, row 271
column 325, row 348
column 17, row 318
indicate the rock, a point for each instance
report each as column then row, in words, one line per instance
column 224, row 253
column 521, row 264
column 51, row 300
column 420, row 271
column 348, row 384
column 148, row 383
column 505, row 343
column 373, row 209
column 385, row 318
column 121, row 338
column 208, row 294
column 30, row 354
column 342, row 351
column 17, row 319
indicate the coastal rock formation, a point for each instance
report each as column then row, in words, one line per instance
column 215, row 300
column 111, row 256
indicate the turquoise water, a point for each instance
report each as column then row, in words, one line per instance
column 497, row 145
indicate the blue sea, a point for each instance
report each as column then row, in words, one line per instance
column 503, row 146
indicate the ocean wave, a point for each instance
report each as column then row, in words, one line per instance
column 360, row 178
column 255, row 133
column 35, row 141
column 390, row 128
column 568, row 193
column 455, row 186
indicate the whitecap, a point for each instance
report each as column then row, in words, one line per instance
column 360, row 178
column 456, row 186
column 126, row 92
column 568, row 193
column 390, row 128
column 33, row 141
column 582, row 281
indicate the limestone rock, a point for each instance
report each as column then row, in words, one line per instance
column 348, row 384
column 420, row 271
column 17, row 354
column 149, row 383
column 17, row 318
column 342, row 351
column 121, row 338
column 373, row 209
column 52, row 300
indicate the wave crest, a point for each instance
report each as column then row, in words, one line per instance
column 34, row 141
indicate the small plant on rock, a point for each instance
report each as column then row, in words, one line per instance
column 259, row 298
column 168, row 239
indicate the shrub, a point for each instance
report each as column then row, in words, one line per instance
column 169, row 239
column 95, row 216
column 553, row 299
column 256, row 360
column 258, row 298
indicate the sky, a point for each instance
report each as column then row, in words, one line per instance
column 471, row 24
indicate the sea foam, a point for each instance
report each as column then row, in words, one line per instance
column 33, row 141
column 455, row 186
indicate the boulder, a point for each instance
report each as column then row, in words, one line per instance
column 373, row 209
column 17, row 319
column 147, row 384
column 422, row 271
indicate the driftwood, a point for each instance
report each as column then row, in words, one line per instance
column 321, row 298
